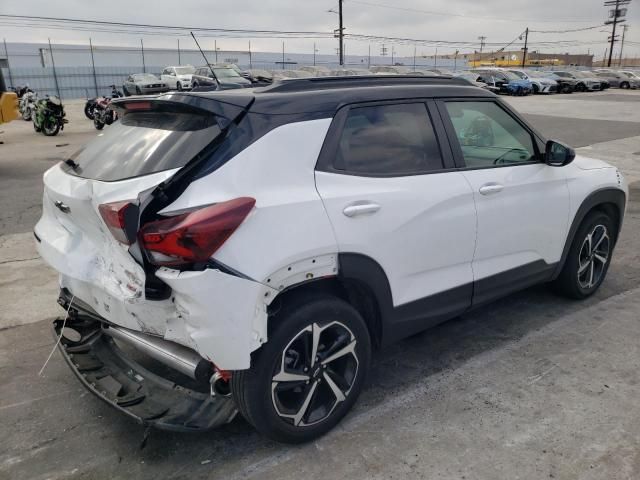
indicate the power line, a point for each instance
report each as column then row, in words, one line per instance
column 462, row 15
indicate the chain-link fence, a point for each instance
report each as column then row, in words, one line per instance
column 81, row 71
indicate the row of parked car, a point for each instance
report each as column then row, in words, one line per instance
column 511, row 81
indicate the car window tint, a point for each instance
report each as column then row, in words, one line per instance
column 489, row 136
column 388, row 140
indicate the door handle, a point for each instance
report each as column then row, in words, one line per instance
column 360, row 208
column 491, row 188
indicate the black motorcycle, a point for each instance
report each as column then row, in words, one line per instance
column 103, row 114
column 90, row 105
column 48, row 116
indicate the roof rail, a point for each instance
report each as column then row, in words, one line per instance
column 324, row 83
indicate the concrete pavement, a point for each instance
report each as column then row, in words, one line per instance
column 533, row 386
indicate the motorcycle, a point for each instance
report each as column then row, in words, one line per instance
column 27, row 104
column 90, row 105
column 103, row 114
column 48, row 116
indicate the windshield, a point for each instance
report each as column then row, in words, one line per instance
column 226, row 73
column 582, row 74
column 510, row 75
column 549, row 75
column 185, row 70
column 519, row 74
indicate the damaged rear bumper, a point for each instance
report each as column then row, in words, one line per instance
column 122, row 382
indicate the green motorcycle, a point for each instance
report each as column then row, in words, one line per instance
column 48, row 116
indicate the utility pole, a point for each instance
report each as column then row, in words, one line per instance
column 524, row 50
column 393, row 51
column 624, row 30
column 250, row 57
column 482, row 38
column 6, row 53
column 179, row 60
column 55, row 75
column 144, row 67
column 283, row 55
column 414, row 58
column 383, row 50
column 369, row 58
column 215, row 48
column 93, row 67
column 617, row 14
column 340, row 32
column 314, row 54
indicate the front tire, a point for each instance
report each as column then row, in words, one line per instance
column 50, row 127
column 310, row 372
column 589, row 257
column 625, row 85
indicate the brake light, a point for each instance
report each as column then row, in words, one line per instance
column 114, row 216
column 193, row 236
column 136, row 105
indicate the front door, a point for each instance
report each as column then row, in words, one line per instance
column 382, row 180
column 522, row 203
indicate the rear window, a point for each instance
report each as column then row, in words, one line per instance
column 142, row 143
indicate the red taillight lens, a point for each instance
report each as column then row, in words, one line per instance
column 114, row 215
column 193, row 236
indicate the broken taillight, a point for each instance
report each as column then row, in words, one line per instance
column 114, row 216
column 193, row 236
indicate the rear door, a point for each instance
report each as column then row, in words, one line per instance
column 522, row 203
column 386, row 182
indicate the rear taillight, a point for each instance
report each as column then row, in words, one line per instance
column 194, row 236
column 115, row 216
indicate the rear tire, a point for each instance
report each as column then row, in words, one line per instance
column 589, row 257
column 88, row 111
column 625, row 85
column 291, row 395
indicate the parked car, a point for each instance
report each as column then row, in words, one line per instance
column 259, row 77
column 631, row 74
column 478, row 80
column 261, row 245
column 505, row 81
column 584, row 81
column 316, row 70
column 617, row 79
column 219, row 77
column 178, row 78
column 143, row 84
column 289, row 74
column 565, row 84
column 539, row 83
column 349, row 72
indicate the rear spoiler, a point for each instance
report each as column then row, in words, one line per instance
column 226, row 107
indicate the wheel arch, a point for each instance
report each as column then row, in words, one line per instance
column 611, row 201
column 360, row 281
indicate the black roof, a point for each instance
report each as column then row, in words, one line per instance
column 328, row 94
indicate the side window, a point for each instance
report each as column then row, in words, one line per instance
column 489, row 136
column 165, row 71
column 388, row 140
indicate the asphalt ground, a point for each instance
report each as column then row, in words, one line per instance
column 533, row 386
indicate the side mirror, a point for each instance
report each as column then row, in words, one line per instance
column 558, row 154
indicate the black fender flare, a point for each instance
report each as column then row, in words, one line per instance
column 609, row 195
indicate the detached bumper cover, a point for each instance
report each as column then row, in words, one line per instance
column 105, row 370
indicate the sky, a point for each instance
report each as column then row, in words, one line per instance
column 499, row 21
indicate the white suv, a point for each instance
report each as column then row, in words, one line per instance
column 261, row 243
column 178, row 78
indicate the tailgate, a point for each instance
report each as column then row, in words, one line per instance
column 74, row 240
